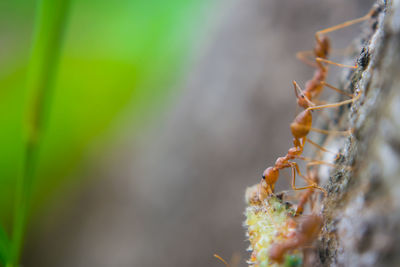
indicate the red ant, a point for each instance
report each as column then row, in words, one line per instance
column 314, row 87
column 302, row 124
column 300, row 128
column 307, row 230
column 305, row 227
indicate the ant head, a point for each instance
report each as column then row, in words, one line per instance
column 270, row 176
column 302, row 99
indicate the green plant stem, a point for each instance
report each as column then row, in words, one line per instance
column 50, row 24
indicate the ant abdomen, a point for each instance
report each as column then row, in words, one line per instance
column 301, row 125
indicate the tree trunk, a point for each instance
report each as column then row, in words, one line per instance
column 361, row 212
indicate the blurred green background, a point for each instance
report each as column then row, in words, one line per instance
column 115, row 56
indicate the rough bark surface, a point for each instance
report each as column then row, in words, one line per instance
column 362, row 210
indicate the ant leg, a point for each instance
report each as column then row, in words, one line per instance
column 333, row 105
column 320, row 59
column 294, row 182
column 319, row 162
column 328, row 132
column 303, row 201
column 305, row 102
column 304, row 56
column 296, row 166
column 344, row 24
column 321, row 147
column 313, row 162
column 326, row 141
column 312, row 184
column 340, row 91
column 299, row 94
column 221, row 259
column 305, row 187
column 308, row 56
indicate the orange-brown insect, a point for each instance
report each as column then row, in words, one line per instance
column 314, row 87
column 300, row 128
column 302, row 124
column 275, row 229
column 307, row 230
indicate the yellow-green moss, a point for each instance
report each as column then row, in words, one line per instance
column 268, row 222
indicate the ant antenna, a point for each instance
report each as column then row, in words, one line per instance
column 221, row 259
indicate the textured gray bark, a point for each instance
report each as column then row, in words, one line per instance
column 362, row 211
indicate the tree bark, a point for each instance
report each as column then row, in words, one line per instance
column 362, row 211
